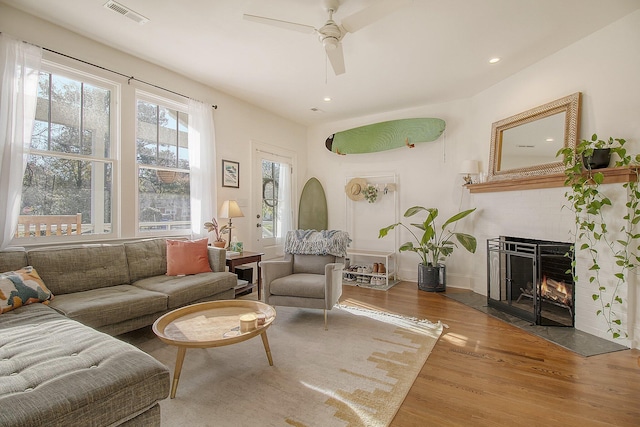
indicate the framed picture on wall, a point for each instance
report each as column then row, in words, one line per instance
column 230, row 174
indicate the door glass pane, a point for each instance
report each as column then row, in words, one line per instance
column 269, row 203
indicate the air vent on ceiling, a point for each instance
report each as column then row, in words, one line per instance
column 125, row 11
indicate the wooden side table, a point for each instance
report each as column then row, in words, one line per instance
column 246, row 257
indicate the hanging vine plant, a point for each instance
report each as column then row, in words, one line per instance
column 593, row 212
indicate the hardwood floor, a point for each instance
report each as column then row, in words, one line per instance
column 485, row 372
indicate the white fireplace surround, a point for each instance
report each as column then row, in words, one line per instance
column 539, row 214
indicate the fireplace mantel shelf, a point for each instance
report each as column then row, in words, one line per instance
column 611, row 176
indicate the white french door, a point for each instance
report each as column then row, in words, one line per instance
column 273, row 189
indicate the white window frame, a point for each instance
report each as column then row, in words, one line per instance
column 114, row 155
column 181, row 107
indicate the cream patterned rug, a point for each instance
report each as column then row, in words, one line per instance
column 355, row 374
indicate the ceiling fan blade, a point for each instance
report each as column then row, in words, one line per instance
column 336, row 57
column 371, row 14
column 301, row 28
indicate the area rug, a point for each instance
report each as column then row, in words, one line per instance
column 357, row 373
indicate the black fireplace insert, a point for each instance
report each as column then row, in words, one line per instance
column 531, row 279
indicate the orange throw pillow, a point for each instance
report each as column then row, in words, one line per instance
column 187, row 257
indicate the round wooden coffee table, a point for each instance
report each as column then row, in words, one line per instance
column 213, row 324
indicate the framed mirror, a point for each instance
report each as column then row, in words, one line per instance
column 526, row 144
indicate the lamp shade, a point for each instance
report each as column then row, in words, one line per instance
column 230, row 209
column 470, row 167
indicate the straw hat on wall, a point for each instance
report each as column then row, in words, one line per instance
column 355, row 189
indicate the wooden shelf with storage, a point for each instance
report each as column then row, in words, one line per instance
column 366, row 258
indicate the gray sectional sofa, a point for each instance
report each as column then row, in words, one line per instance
column 59, row 364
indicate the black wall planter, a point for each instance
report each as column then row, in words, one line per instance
column 432, row 279
column 600, row 159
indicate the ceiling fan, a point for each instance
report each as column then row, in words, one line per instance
column 332, row 33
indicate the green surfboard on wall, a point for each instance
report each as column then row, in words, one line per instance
column 385, row 136
column 312, row 210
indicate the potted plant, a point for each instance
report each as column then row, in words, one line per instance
column 596, row 153
column 604, row 227
column 212, row 226
column 433, row 245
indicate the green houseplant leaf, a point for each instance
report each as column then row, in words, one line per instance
column 432, row 243
column 587, row 198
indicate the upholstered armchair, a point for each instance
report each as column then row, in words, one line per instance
column 303, row 280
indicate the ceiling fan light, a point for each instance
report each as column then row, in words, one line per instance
column 330, row 43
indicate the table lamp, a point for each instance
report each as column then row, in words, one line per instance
column 468, row 168
column 230, row 209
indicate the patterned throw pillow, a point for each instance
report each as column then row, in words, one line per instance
column 22, row 287
column 187, row 257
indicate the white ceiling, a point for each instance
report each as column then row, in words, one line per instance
column 429, row 52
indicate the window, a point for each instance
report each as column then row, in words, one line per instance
column 163, row 166
column 70, row 167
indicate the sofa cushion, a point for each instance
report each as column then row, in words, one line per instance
column 187, row 257
column 146, row 258
column 56, row 372
column 299, row 285
column 22, row 287
column 13, row 259
column 187, row 289
column 79, row 268
column 104, row 306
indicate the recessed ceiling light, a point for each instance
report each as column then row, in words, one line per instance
column 549, row 139
column 327, row 99
column 494, row 60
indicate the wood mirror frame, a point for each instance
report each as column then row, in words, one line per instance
column 569, row 106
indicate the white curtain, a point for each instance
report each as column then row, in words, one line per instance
column 285, row 215
column 202, row 162
column 19, row 71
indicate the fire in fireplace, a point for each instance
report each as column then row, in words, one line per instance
column 556, row 291
column 531, row 279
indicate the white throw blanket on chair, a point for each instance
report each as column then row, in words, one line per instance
column 312, row 242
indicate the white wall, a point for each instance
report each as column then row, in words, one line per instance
column 427, row 176
column 236, row 122
column 604, row 66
